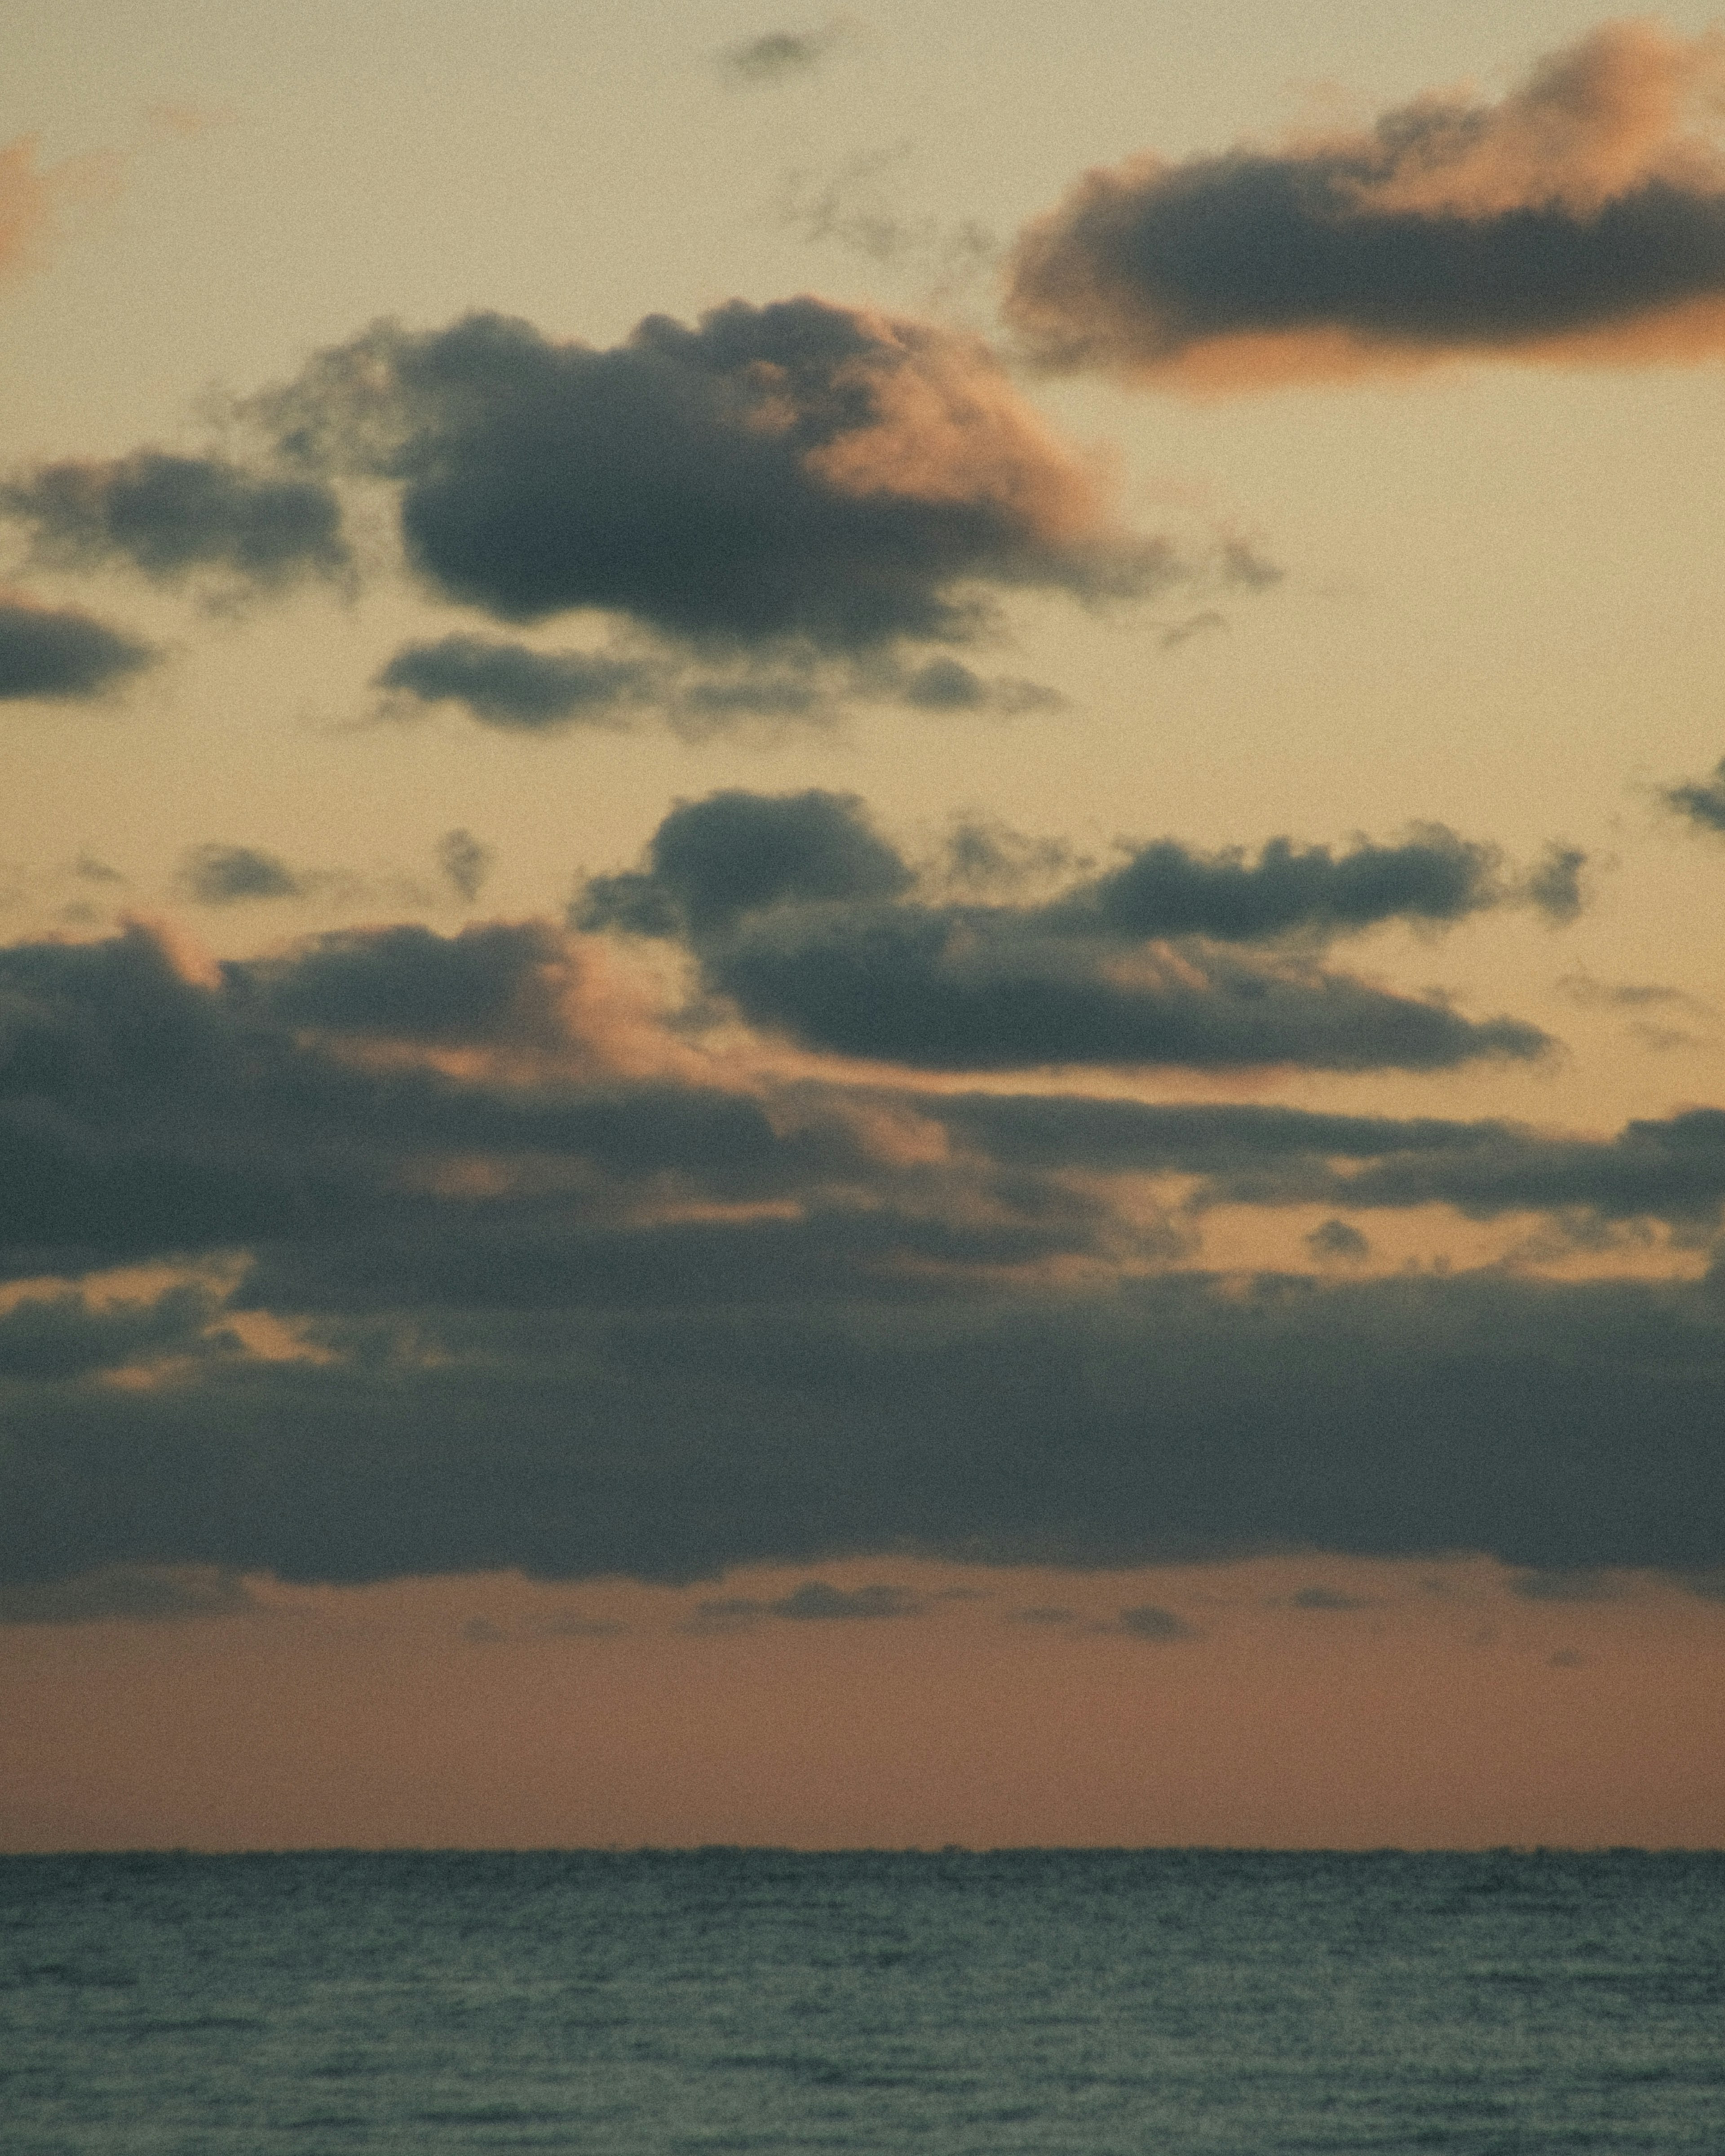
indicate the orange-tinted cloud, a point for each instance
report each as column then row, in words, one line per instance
column 32, row 201
column 1582, row 218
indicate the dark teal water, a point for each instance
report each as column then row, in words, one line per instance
column 1150, row 2005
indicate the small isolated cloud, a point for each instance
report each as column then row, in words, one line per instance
column 816, row 1601
column 1325, row 1597
column 465, row 862
column 58, row 654
column 1582, row 989
column 167, row 517
column 1566, row 1658
column 1334, row 1242
column 1149, row 1620
column 127, row 1593
column 229, row 876
column 482, row 1632
column 1701, row 800
column 510, row 687
column 570, row 1625
column 779, row 55
column 1042, row 1614
column 89, row 869
column 1582, row 215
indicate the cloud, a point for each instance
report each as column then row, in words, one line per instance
column 1334, row 1242
column 816, row 1601
column 1325, row 1598
column 1702, row 800
column 713, row 861
column 168, row 517
column 31, row 201
column 510, row 686
column 1555, row 1427
column 127, row 1593
column 805, row 919
column 59, row 654
column 799, row 475
column 225, row 875
column 779, row 55
column 65, row 1335
column 493, row 982
column 465, row 862
column 1149, row 1620
column 518, row 689
column 1670, row 1168
column 1566, row 1584
column 1581, row 216
column 536, row 1312
column 956, row 990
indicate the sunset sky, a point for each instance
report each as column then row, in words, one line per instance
column 863, row 892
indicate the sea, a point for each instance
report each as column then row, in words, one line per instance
column 1105, row 2003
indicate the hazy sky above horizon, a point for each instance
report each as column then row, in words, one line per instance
column 862, row 945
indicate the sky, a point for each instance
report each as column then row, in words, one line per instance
column 860, row 933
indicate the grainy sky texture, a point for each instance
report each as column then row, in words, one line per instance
column 859, row 958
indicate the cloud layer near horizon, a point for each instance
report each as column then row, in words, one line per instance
column 1581, row 215
column 530, row 1301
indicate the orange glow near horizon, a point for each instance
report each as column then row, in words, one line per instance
column 1314, row 1703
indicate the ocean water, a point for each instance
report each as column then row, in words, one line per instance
column 1148, row 2004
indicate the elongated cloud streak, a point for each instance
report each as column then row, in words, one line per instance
column 1581, row 215
column 806, row 920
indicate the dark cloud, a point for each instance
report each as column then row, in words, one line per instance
column 1584, row 211
column 1554, row 885
column 225, row 875
column 1566, row 1584
column 1326, row 1599
column 776, row 55
column 959, row 989
column 515, row 688
column 799, row 473
column 710, row 862
column 1166, row 890
column 1334, row 1242
column 493, row 982
column 148, row 1594
column 835, row 952
column 465, row 862
column 58, row 653
column 1149, row 1620
column 557, row 1318
column 170, row 515
column 66, row 1336
column 815, row 1601
column 1702, row 800
column 509, row 685
column 1670, row 1168
column 948, row 684
column 1556, row 1428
